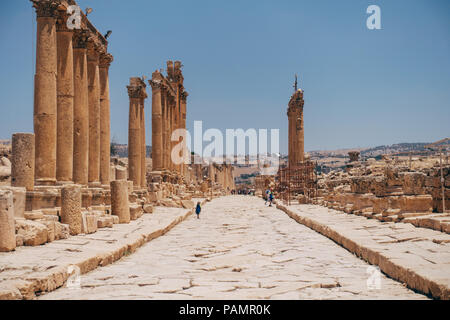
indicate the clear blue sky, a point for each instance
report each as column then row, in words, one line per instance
column 362, row 87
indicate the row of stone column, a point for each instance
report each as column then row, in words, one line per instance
column 137, row 150
column 222, row 174
column 168, row 114
column 71, row 96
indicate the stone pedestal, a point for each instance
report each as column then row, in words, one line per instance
column 45, row 104
column 119, row 200
column 7, row 226
column 71, row 208
column 81, row 110
column 22, row 166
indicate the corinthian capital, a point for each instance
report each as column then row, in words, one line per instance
column 80, row 39
column 134, row 91
column 105, row 60
column 155, row 84
column 61, row 22
column 46, row 8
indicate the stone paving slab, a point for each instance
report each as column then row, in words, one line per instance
column 418, row 257
column 238, row 249
column 30, row 271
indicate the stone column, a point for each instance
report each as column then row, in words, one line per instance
column 71, row 208
column 7, row 225
column 22, row 166
column 94, row 112
column 296, row 131
column 105, row 118
column 183, row 101
column 143, row 144
column 80, row 109
column 157, row 123
column 45, row 105
column 134, row 134
column 65, row 93
column 119, row 200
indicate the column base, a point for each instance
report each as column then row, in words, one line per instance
column 45, row 182
column 94, row 184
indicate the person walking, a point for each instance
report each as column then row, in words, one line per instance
column 197, row 210
column 270, row 198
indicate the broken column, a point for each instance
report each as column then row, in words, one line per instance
column 157, row 122
column 71, row 208
column 119, row 200
column 65, row 96
column 105, row 127
column 93, row 54
column 81, row 109
column 22, row 166
column 45, row 102
column 135, row 93
column 7, row 226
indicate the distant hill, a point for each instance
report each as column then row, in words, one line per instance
column 121, row 150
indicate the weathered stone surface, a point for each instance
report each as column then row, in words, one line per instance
column 148, row 208
column 71, row 208
column 34, row 215
column 33, row 233
column 135, row 211
column 121, row 173
column 7, row 229
column 119, row 200
column 187, row 204
column 106, row 221
column 22, row 170
column 413, row 183
column 89, row 223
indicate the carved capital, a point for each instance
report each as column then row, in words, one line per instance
column 155, row 84
column 136, row 92
column 80, row 39
column 94, row 48
column 184, row 96
column 105, row 60
column 46, row 8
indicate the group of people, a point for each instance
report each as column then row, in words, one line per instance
column 268, row 197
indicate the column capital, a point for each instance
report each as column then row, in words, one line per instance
column 105, row 60
column 61, row 22
column 184, row 96
column 135, row 91
column 94, row 48
column 46, row 8
column 80, row 39
column 155, row 84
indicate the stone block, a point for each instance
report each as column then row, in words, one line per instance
column 33, row 233
column 420, row 203
column 89, row 223
column 135, row 211
column 148, row 208
column 106, row 221
column 188, row 204
column 62, row 231
column 413, row 183
column 7, row 228
column 34, row 215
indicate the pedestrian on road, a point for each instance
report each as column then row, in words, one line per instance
column 197, row 210
column 266, row 197
column 270, row 198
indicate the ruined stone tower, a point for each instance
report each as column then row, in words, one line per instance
column 296, row 131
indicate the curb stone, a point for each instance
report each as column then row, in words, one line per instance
column 413, row 279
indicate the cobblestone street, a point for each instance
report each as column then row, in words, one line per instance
column 238, row 249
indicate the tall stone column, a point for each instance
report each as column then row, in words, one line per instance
column 80, row 109
column 296, row 130
column 45, row 102
column 134, row 134
column 94, row 112
column 183, row 101
column 166, row 113
column 143, row 144
column 7, row 229
column 22, row 164
column 65, row 96
column 157, row 124
column 105, row 118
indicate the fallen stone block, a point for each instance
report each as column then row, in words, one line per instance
column 34, row 215
column 33, row 233
column 62, row 231
column 187, row 204
column 106, row 221
column 148, row 208
column 135, row 211
column 89, row 224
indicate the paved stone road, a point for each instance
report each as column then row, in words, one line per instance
column 238, row 249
